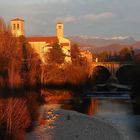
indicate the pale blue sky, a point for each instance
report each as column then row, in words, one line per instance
column 105, row 18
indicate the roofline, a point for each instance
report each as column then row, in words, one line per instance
column 17, row 19
column 53, row 39
column 41, row 36
column 59, row 22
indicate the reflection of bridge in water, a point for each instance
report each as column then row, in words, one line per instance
column 109, row 95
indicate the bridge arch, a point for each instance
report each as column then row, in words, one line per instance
column 124, row 74
column 112, row 67
column 100, row 74
column 123, row 65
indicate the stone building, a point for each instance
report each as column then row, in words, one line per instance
column 42, row 44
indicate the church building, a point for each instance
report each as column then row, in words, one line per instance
column 42, row 44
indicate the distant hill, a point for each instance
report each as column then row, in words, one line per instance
column 99, row 42
column 96, row 44
column 109, row 48
column 136, row 45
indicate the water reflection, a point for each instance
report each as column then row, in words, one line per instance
column 90, row 106
column 18, row 112
column 111, row 107
column 56, row 96
column 66, row 99
column 119, row 112
column 101, row 107
column 116, row 110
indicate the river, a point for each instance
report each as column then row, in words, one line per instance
column 119, row 111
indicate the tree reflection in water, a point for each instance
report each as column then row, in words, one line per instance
column 18, row 112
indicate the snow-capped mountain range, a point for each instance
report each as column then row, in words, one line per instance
column 100, row 44
column 102, row 41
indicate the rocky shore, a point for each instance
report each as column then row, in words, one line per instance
column 59, row 124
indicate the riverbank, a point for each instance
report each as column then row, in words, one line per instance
column 129, row 125
column 59, row 124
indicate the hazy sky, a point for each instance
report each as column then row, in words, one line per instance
column 105, row 18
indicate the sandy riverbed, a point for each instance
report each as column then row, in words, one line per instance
column 58, row 124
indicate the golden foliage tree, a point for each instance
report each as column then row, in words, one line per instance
column 55, row 55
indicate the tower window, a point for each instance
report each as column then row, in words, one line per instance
column 14, row 26
column 60, row 27
column 17, row 26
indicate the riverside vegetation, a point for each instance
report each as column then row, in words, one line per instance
column 21, row 72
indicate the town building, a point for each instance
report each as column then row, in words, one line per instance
column 87, row 55
column 42, row 44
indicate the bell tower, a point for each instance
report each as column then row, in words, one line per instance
column 60, row 29
column 17, row 27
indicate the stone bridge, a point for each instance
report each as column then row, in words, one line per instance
column 112, row 67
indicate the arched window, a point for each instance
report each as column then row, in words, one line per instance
column 14, row 26
column 60, row 27
column 17, row 26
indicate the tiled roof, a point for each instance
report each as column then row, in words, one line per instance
column 17, row 19
column 48, row 39
column 64, row 44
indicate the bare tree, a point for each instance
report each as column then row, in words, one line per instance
column 15, row 116
column 10, row 56
column 19, row 64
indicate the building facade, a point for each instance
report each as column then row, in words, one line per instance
column 42, row 44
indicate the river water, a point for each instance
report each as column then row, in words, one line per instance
column 118, row 111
